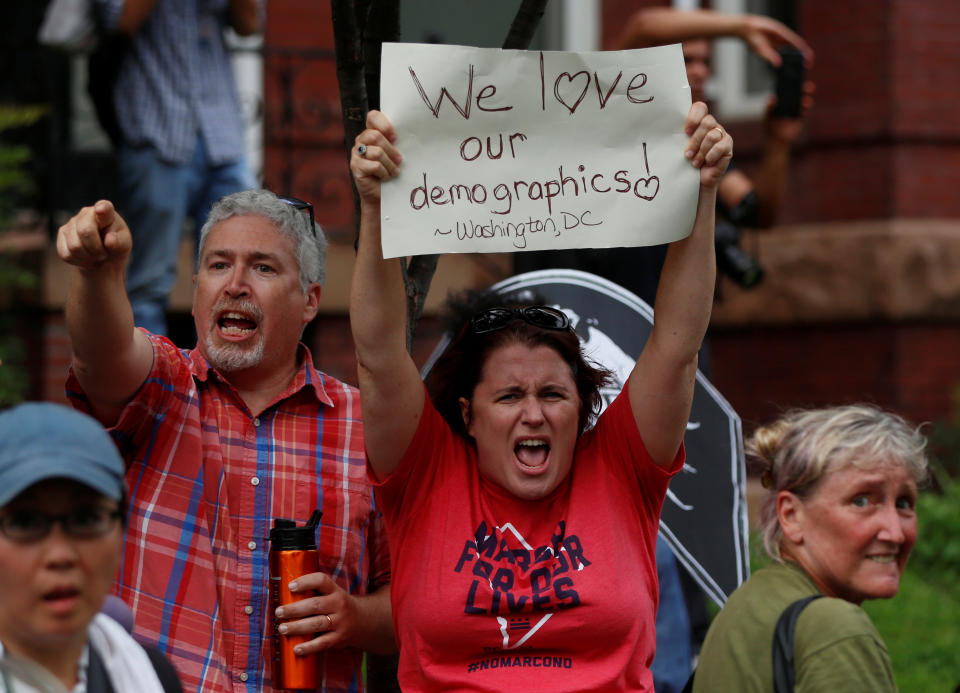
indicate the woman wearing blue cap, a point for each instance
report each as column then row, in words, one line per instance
column 61, row 517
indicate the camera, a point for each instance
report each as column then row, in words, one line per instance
column 732, row 260
column 789, row 88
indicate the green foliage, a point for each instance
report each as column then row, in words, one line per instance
column 14, row 380
column 944, row 439
column 937, row 553
column 14, row 184
column 921, row 627
column 758, row 555
column 20, row 116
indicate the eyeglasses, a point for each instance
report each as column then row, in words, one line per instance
column 301, row 205
column 26, row 526
column 493, row 319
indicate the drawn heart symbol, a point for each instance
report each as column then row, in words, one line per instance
column 646, row 185
column 570, row 80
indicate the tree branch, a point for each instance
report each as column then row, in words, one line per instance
column 350, row 79
column 525, row 24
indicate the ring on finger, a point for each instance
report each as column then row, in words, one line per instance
column 327, row 616
column 362, row 151
column 722, row 133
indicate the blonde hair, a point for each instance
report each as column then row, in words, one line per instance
column 797, row 450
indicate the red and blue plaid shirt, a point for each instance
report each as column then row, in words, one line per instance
column 206, row 478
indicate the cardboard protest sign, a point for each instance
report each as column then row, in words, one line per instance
column 519, row 150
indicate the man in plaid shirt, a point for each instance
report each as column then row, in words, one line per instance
column 220, row 440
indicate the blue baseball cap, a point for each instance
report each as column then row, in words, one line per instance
column 40, row 440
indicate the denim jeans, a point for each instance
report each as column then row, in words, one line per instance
column 672, row 663
column 156, row 198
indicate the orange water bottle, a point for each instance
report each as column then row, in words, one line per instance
column 293, row 552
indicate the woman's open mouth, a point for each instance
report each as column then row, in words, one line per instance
column 532, row 454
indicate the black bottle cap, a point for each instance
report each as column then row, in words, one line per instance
column 286, row 536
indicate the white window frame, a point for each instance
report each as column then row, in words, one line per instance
column 580, row 25
column 727, row 87
column 729, row 91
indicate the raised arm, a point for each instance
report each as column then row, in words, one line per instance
column 661, row 384
column 134, row 14
column 244, row 16
column 111, row 358
column 390, row 386
column 657, row 26
column 768, row 186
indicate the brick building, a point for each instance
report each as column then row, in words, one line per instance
column 862, row 294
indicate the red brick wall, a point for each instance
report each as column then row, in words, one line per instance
column 333, row 352
column 882, row 140
column 911, row 368
column 303, row 133
column 881, row 143
column 924, row 69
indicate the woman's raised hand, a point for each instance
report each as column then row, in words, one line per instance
column 374, row 159
column 710, row 147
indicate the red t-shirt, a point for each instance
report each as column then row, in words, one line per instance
column 491, row 592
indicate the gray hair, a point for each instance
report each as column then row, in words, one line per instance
column 310, row 244
column 798, row 450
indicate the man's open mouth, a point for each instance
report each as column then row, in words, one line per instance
column 233, row 324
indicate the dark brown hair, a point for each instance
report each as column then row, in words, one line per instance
column 457, row 371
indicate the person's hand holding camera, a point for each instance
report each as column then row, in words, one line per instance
column 765, row 36
column 793, row 98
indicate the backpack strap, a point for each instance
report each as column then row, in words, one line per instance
column 169, row 679
column 783, row 671
column 98, row 681
column 688, row 688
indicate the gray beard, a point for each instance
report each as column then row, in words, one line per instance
column 228, row 358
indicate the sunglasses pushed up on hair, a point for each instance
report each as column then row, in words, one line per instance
column 303, row 206
column 493, row 319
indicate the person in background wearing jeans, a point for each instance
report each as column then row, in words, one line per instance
column 179, row 132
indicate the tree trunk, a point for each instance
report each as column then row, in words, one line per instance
column 525, row 24
column 383, row 24
column 350, row 79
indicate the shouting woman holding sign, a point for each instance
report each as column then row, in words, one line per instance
column 517, row 536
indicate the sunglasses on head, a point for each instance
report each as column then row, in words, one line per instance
column 493, row 319
column 301, row 205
